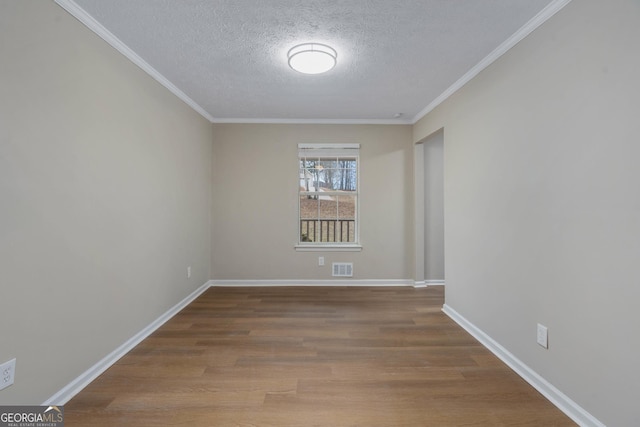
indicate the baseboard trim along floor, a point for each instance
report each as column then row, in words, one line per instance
column 559, row 399
column 75, row 386
column 335, row 282
column 555, row 396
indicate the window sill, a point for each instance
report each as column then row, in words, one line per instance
column 328, row 248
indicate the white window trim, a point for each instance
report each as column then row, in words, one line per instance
column 330, row 150
column 330, row 247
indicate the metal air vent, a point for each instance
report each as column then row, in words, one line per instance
column 342, row 269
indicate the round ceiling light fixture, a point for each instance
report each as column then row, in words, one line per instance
column 312, row 58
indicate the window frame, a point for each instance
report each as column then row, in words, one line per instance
column 329, row 151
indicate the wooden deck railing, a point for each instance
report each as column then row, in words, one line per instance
column 328, row 230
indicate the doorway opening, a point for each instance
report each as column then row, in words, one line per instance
column 429, row 200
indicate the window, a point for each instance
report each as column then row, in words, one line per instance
column 328, row 195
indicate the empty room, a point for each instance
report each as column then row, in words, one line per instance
column 289, row 213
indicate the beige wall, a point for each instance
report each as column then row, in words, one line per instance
column 255, row 202
column 542, row 210
column 107, row 183
column 104, row 198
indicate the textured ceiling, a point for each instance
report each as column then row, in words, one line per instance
column 229, row 56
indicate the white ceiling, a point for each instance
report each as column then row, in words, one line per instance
column 227, row 58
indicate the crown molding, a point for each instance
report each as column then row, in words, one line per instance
column 314, row 121
column 546, row 13
column 85, row 18
column 90, row 22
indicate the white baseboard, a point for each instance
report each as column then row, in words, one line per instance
column 75, row 386
column 337, row 282
column 555, row 396
column 426, row 283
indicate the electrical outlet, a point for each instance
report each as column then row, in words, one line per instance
column 7, row 373
column 320, row 260
column 543, row 337
column 189, row 272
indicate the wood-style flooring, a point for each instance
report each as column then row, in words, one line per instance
column 311, row 356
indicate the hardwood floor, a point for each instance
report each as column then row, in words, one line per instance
column 309, row 356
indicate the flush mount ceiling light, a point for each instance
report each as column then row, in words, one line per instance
column 312, row 58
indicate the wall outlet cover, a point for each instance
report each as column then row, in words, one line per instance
column 543, row 336
column 7, row 373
